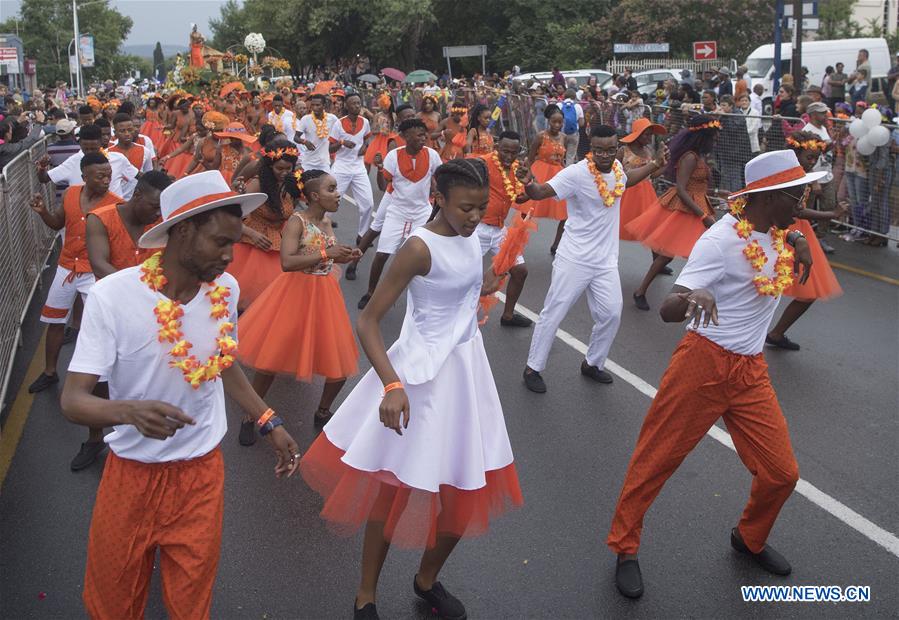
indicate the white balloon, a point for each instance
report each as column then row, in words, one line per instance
column 878, row 136
column 857, row 128
column 864, row 147
column 871, row 118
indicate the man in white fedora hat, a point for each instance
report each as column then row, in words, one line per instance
column 163, row 332
column 728, row 292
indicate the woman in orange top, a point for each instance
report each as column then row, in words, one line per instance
column 152, row 126
column 382, row 130
column 674, row 222
column 431, row 118
column 452, row 129
column 233, row 142
column 547, row 157
column 257, row 260
column 479, row 141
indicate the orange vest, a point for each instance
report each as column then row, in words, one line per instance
column 123, row 252
column 135, row 154
column 74, row 250
column 499, row 201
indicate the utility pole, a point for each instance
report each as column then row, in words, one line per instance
column 79, row 86
column 778, row 39
column 796, row 62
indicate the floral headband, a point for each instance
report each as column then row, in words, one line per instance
column 709, row 125
column 279, row 153
column 808, row 145
column 298, row 175
column 458, row 110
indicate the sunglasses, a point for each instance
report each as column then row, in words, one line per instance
column 800, row 199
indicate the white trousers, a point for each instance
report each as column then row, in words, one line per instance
column 358, row 184
column 569, row 280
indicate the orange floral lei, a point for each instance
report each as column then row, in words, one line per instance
column 321, row 126
column 755, row 254
column 168, row 314
column 511, row 183
column 608, row 197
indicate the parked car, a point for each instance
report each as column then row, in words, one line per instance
column 648, row 81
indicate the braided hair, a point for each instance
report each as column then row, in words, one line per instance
column 308, row 177
column 470, row 172
column 268, row 183
column 473, row 122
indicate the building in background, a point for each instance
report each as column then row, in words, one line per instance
column 883, row 13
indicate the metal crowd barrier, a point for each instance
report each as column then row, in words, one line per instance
column 25, row 243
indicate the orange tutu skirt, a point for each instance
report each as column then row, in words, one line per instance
column 377, row 145
column 666, row 232
column 822, row 283
column 549, row 208
column 413, row 518
column 635, row 202
column 254, row 270
column 299, row 326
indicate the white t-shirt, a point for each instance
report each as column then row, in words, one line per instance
column 822, row 164
column 148, row 144
column 285, row 122
column 123, row 173
column 410, row 199
column 348, row 160
column 591, row 232
column 717, row 263
column 118, row 340
column 320, row 158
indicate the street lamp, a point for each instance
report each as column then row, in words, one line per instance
column 79, row 76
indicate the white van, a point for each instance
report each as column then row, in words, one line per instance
column 817, row 56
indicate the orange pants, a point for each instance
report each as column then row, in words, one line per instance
column 175, row 507
column 704, row 382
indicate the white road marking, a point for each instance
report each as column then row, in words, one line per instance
column 838, row 509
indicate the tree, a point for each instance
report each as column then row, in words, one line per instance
column 836, row 20
column 45, row 27
column 159, row 63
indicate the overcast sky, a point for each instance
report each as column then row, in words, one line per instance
column 166, row 21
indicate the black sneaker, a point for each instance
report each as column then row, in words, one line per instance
column 640, row 302
column 767, row 558
column 628, row 578
column 517, row 320
column 368, row 612
column 88, row 453
column 666, row 271
column 247, row 436
column 364, row 301
column 534, row 382
column 442, row 603
column 42, row 383
column 351, row 272
column 600, row 376
column 70, row 335
column 782, row 343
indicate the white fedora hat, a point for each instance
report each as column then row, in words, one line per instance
column 775, row 170
column 191, row 196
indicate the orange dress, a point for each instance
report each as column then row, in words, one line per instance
column 451, row 136
column 230, row 158
column 669, row 227
column 123, row 252
column 382, row 134
column 483, row 145
column 299, row 325
column 253, row 268
column 822, row 283
column 550, row 158
column 636, row 200
column 151, row 127
column 432, row 126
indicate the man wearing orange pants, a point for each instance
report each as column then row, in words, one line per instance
column 738, row 273
column 164, row 332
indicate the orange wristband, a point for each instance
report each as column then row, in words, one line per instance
column 396, row 385
column 324, row 254
column 265, row 417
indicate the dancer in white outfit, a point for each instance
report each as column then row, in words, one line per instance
column 419, row 450
column 348, row 138
column 587, row 256
column 312, row 133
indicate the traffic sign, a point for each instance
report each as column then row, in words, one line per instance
column 809, row 9
column 641, row 48
column 808, row 23
column 705, row 50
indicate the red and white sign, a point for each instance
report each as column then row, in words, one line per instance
column 9, row 53
column 705, row 50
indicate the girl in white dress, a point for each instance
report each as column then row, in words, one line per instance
column 419, row 450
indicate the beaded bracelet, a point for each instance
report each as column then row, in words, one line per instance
column 396, row 385
column 267, row 414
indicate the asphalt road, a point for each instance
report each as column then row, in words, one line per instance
column 572, row 445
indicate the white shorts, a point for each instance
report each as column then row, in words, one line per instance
column 491, row 237
column 61, row 297
column 396, row 230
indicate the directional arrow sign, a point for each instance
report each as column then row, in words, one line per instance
column 705, row 50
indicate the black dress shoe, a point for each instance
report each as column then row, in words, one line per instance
column 42, row 383
column 666, row 271
column 640, row 302
column 600, row 376
column 767, row 558
column 534, row 382
column 442, row 603
column 351, row 271
column 782, row 343
column 368, row 612
column 517, row 320
column 88, row 453
column 628, row 578
column 247, row 436
column 364, row 301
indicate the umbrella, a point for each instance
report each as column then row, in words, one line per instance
column 368, row 77
column 420, row 75
column 323, row 88
column 393, row 74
